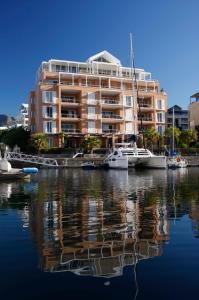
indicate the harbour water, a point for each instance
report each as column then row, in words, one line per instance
column 75, row 234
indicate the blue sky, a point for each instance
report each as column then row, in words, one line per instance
column 165, row 33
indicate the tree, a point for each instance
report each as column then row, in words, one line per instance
column 61, row 136
column 188, row 136
column 169, row 135
column 39, row 141
column 16, row 136
column 151, row 136
column 90, row 142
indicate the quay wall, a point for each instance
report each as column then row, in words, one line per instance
column 193, row 161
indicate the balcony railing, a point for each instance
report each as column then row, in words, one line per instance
column 111, row 116
column 68, row 100
column 110, row 130
column 66, row 115
column 148, row 119
column 72, row 130
column 111, row 102
column 145, row 105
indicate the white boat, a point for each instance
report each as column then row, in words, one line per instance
column 140, row 157
column 88, row 165
column 116, row 160
column 177, row 162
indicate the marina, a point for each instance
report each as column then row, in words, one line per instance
column 108, row 230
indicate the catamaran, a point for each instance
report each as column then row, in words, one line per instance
column 137, row 157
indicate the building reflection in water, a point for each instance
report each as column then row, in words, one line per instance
column 96, row 224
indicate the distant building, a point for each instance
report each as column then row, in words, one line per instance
column 94, row 97
column 180, row 117
column 194, row 111
column 22, row 118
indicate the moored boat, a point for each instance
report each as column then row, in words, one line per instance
column 116, row 160
column 140, row 157
column 88, row 165
column 177, row 162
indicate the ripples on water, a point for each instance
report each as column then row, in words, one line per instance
column 107, row 225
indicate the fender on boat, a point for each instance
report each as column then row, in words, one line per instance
column 30, row 170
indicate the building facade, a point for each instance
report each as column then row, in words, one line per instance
column 180, row 117
column 94, row 97
column 194, row 111
column 22, row 118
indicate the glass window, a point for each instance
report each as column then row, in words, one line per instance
column 49, row 127
column 159, row 104
column 160, row 129
column 128, row 100
column 160, row 117
column 49, row 111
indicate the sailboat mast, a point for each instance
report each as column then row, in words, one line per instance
column 173, row 146
column 134, row 88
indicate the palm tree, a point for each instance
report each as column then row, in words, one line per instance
column 39, row 141
column 169, row 134
column 188, row 136
column 151, row 136
column 90, row 142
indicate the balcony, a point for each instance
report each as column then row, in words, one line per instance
column 70, row 116
column 145, row 119
column 111, row 103
column 68, row 101
column 110, row 130
column 71, row 130
column 145, row 106
column 106, row 118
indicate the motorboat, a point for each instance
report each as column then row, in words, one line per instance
column 88, row 165
column 116, row 160
column 177, row 162
column 141, row 157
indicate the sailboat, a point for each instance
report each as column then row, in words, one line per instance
column 137, row 157
column 175, row 161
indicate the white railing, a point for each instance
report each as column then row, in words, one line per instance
column 39, row 160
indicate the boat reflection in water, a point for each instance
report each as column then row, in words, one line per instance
column 97, row 225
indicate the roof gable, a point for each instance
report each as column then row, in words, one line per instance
column 105, row 57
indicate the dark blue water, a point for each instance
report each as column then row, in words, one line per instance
column 74, row 234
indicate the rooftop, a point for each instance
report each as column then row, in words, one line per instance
column 102, row 63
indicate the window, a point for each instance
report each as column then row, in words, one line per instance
column 48, row 96
column 67, row 126
column 160, row 117
column 160, row 104
column 128, row 100
column 49, row 127
column 49, row 111
column 91, row 112
column 91, row 126
column 50, row 142
column 160, row 129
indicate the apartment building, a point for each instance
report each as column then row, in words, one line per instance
column 180, row 117
column 94, row 97
column 194, row 111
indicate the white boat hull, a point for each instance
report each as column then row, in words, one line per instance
column 153, row 162
column 174, row 163
column 121, row 163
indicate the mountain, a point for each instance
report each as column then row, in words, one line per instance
column 6, row 120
